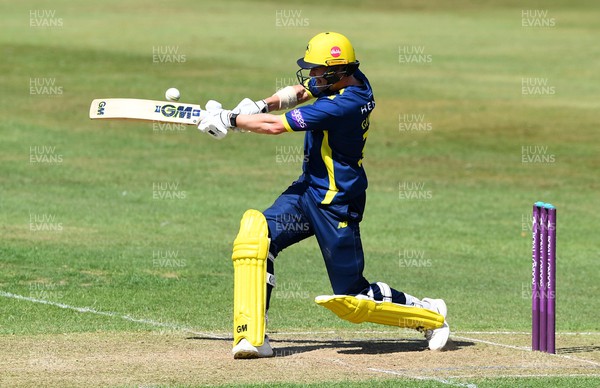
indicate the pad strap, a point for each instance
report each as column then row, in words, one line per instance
column 386, row 291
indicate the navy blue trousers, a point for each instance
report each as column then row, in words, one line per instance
column 295, row 215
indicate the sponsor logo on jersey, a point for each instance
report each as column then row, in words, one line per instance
column 297, row 116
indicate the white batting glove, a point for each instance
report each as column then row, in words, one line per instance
column 217, row 123
column 249, row 107
column 212, row 105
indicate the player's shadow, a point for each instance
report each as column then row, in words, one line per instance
column 362, row 346
column 289, row 347
column 578, row 349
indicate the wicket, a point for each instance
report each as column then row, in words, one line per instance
column 543, row 277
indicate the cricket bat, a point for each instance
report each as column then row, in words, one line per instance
column 149, row 110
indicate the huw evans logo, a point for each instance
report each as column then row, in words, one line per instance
column 413, row 122
column 44, row 85
column 167, row 54
column 290, row 18
column 44, row 223
column 44, row 18
column 414, row 190
column 167, row 258
column 536, row 154
column 536, row 18
column 44, row 154
column 167, row 190
column 536, row 86
column 172, row 111
column 413, row 54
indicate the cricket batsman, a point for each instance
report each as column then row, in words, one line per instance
column 327, row 201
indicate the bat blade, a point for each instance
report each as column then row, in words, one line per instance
column 149, row 110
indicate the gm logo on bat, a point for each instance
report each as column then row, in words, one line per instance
column 172, row 110
column 101, row 106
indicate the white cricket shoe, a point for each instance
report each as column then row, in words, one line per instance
column 246, row 350
column 437, row 338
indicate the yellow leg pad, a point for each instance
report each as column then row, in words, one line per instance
column 358, row 310
column 250, row 251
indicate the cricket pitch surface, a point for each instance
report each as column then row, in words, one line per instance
column 177, row 358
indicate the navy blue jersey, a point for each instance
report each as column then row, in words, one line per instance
column 336, row 128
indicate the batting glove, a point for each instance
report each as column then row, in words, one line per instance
column 217, row 121
column 249, row 107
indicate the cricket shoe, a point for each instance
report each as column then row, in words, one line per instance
column 437, row 338
column 245, row 349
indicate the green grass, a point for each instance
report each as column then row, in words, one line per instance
column 113, row 234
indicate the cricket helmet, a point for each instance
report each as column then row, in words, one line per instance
column 331, row 50
column 327, row 49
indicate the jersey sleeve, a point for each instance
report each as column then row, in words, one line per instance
column 316, row 117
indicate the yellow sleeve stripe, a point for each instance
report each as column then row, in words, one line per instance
column 327, row 156
column 286, row 124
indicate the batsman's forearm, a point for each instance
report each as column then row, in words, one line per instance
column 274, row 102
column 263, row 123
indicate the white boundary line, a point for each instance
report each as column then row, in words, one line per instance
column 436, row 379
column 527, row 349
column 576, row 359
column 490, row 343
column 171, row 326
column 525, row 332
column 452, row 334
column 405, row 375
column 524, row 376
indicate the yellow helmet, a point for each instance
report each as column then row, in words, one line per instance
column 328, row 49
